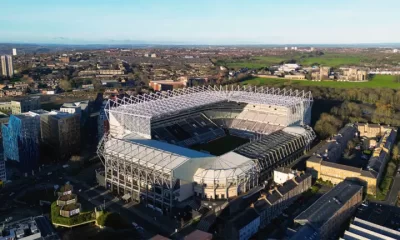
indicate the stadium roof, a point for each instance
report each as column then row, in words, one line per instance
column 161, row 103
column 227, row 166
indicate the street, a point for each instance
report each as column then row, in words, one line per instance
column 391, row 198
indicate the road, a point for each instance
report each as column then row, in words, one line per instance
column 391, row 198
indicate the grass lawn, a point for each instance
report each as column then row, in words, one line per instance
column 328, row 59
column 379, row 81
column 333, row 60
column 221, row 145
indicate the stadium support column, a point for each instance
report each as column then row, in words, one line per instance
column 171, row 193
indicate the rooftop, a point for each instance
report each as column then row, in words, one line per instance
column 244, row 218
column 167, row 102
column 326, row 206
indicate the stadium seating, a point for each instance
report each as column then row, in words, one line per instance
column 187, row 130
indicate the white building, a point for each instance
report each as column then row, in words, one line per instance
column 282, row 175
column 288, row 67
column 14, row 52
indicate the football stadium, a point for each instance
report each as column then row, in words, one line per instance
column 204, row 142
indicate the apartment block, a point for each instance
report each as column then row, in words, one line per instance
column 7, row 68
column 323, row 219
column 61, row 131
column 21, row 140
column 25, row 105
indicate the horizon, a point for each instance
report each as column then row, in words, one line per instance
column 178, row 22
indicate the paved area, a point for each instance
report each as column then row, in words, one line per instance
column 391, row 198
column 384, row 215
column 152, row 221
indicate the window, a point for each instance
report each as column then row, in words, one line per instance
column 222, row 196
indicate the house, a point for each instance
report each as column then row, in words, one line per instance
column 243, row 226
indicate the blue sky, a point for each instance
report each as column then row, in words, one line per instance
column 200, row 21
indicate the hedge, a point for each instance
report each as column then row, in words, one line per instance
column 77, row 219
column 113, row 220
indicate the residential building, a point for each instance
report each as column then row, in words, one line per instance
column 333, row 149
column 353, row 74
column 322, row 74
column 371, row 130
column 328, row 170
column 165, row 85
column 272, row 204
column 282, row 174
column 21, row 140
column 7, row 66
column 5, row 106
column 14, row 52
column 111, row 72
column 61, row 131
column 243, row 226
column 109, row 82
column 31, row 228
column 325, row 216
column 64, row 59
column 81, row 108
column 298, row 76
column 361, row 229
column 25, row 105
column 288, row 67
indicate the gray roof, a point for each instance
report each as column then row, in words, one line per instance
column 305, row 232
column 261, row 204
column 326, row 206
column 273, row 197
column 244, row 218
column 286, row 187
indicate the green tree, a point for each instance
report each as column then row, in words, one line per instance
column 65, row 85
column 327, row 125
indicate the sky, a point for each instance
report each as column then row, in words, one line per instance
column 200, row 21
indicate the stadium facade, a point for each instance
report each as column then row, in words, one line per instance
column 148, row 152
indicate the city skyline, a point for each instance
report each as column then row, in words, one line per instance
column 207, row 22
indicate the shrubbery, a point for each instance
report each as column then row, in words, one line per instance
column 80, row 218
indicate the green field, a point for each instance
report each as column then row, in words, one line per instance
column 379, row 81
column 333, row 60
column 328, row 59
column 220, row 145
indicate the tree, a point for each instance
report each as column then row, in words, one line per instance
column 65, row 85
column 350, row 145
column 327, row 125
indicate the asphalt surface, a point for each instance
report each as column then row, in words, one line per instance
column 99, row 197
column 394, row 191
